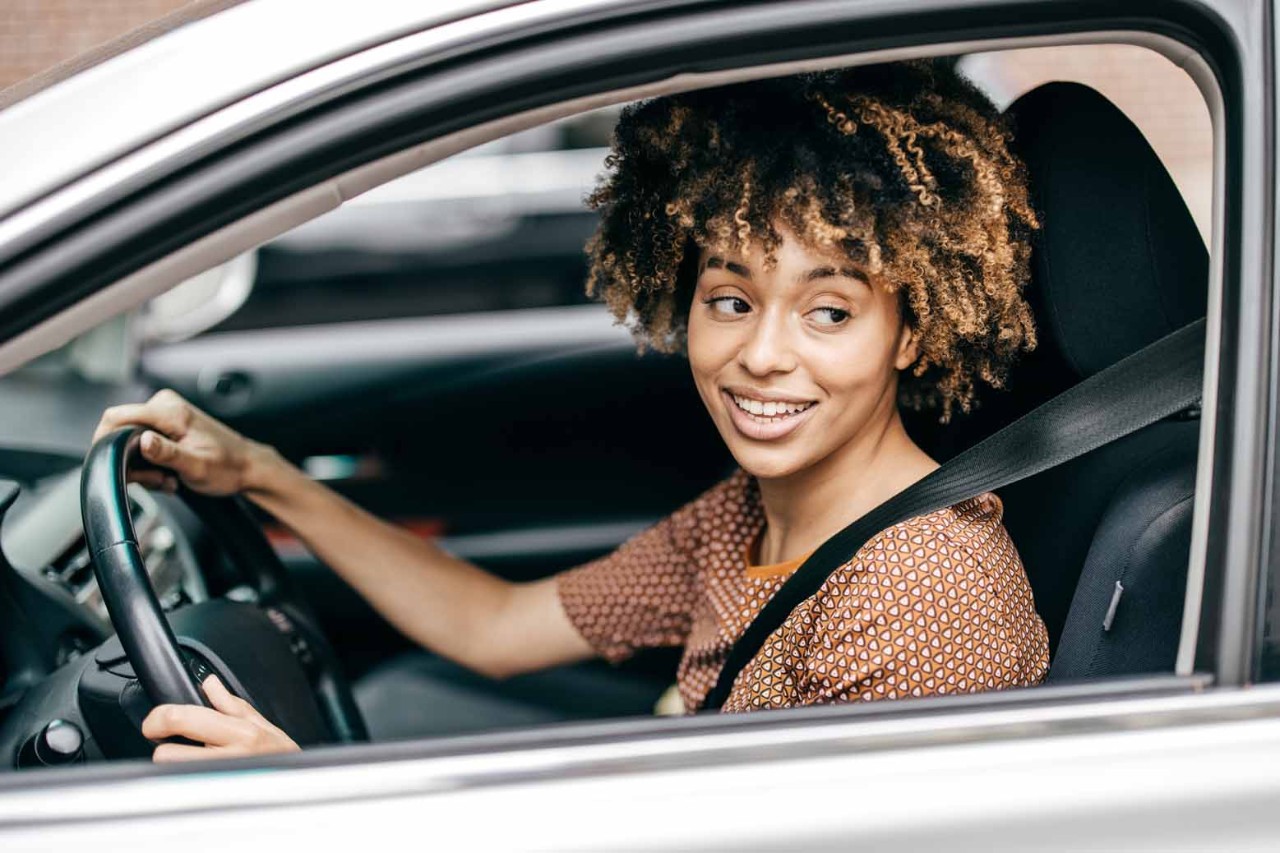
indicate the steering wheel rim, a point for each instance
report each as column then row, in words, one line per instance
column 145, row 633
column 122, row 577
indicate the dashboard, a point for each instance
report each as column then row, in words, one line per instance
column 50, row 575
column 70, row 692
column 42, row 536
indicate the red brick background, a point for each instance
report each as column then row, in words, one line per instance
column 38, row 34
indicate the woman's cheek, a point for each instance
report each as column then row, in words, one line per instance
column 853, row 364
column 710, row 345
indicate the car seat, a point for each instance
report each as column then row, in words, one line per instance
column 1118, row 264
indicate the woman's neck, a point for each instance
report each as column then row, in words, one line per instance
column 805, row 509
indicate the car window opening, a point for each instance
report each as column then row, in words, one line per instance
column 444, row 319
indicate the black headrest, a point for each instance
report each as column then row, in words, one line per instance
column 1119, row 262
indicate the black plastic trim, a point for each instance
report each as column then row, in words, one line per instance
column 1264, row 662
column 1235, row 550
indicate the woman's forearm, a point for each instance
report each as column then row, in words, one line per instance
column 441, row 602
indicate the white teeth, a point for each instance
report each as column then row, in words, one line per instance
column 770, row 409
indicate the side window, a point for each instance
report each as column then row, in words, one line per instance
column 556, row 439
column 499, row 227
column 428, row 350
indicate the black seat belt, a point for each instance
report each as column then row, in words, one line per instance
column 1159, row 380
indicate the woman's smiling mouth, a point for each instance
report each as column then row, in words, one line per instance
column 766, row 420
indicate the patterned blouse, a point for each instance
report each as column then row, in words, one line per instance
column 935, row 604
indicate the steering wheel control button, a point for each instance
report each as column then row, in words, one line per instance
column 297, row 643
column 302, row 651
column 281, row 620
column 59, row 743
column 199, row 667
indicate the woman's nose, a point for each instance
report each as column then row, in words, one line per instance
column 769, row 348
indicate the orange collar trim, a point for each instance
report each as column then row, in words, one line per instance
column 774, row 570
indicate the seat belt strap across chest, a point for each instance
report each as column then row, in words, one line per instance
column 1159, row 380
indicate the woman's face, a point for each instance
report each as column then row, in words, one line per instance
column 794, row 361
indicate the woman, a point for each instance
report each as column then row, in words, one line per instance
column 826, row 247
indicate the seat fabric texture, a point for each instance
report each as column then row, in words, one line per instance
column 1118, row 264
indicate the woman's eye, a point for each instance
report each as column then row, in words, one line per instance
column 728, row 305
column 829, row 316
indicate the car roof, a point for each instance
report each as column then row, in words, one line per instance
column 98, row 107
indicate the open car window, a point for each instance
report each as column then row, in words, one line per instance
column 431, row 330
column 408, row 297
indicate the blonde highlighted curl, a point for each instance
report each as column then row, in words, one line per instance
column 905, row 167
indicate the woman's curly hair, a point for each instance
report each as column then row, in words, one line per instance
column 906, row 167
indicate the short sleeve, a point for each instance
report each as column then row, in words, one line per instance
column 640, row 596
column 923, row 614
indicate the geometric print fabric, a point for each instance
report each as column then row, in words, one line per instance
column 933, row 605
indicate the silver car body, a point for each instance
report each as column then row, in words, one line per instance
column 1182, row 762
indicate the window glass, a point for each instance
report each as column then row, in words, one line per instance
column 498, row 227
column 428, row 352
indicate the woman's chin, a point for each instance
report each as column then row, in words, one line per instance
column 769, row 465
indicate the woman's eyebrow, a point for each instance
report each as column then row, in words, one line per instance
column 831, row 272
column 717, row 262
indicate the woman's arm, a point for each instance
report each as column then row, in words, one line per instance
column 446, row 604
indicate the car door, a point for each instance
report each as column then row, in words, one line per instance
column 1180, row 761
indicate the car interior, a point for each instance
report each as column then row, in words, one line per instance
column 1105, row 538
column 510, row 433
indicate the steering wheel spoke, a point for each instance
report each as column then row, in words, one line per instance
column 271, row 650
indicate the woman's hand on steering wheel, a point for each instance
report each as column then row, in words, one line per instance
column 183, row 442
column 231, row 728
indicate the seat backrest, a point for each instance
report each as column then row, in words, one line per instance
column 1126, row 614
column 1118, row 264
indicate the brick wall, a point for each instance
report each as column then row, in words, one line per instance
column 38, row 34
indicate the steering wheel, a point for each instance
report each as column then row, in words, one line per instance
column 266, row 612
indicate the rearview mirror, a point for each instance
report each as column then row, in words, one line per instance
column 198, row 303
